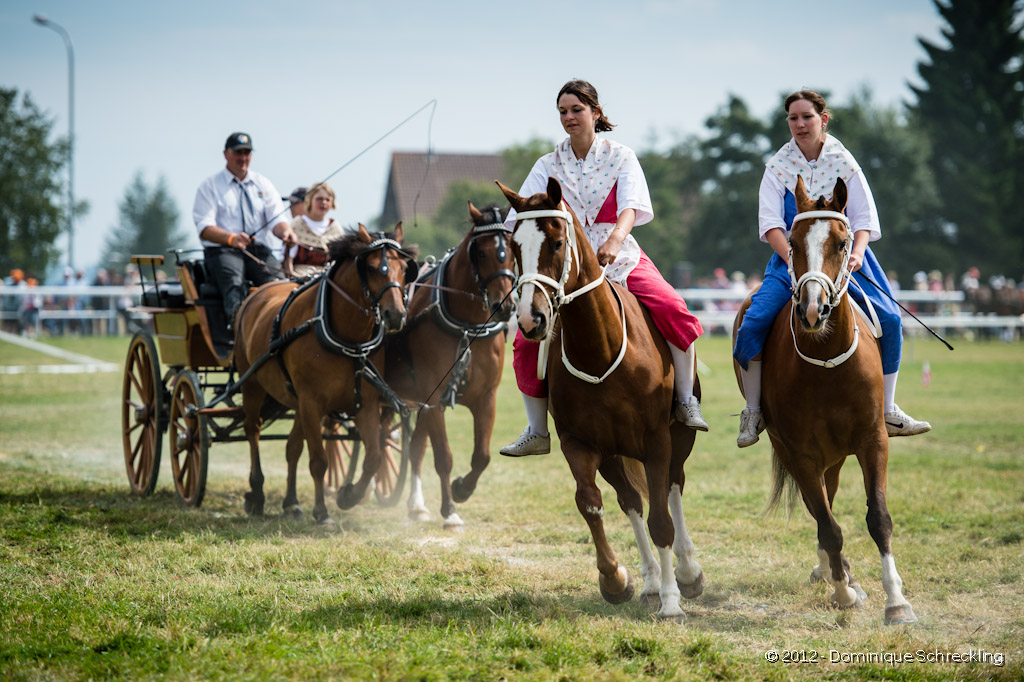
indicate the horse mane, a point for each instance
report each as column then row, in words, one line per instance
column 351, row 246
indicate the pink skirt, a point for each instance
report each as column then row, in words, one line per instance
column 673, row 319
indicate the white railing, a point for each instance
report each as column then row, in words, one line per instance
column 716, row 308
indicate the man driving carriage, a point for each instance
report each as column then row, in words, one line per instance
column 237, row 213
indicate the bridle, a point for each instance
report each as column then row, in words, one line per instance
column 835, row 288
column 501, row 231
column 382, row 244
column 556, row 296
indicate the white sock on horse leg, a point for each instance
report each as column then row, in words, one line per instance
column 685, row 363
column 889, row 390
column 536, row 414
column 752, row 384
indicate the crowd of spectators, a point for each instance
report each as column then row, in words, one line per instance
column 81, row 313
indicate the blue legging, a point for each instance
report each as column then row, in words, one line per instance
column 775, row 291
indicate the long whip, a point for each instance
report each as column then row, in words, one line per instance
column 887, row 295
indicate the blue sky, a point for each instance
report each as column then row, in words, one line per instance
column 159, row 86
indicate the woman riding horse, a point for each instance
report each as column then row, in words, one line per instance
column 820, row 160
column 823, row 393
column 611, row 390
column 604, row 185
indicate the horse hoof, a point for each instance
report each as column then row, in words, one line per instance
column 694, row 589
column 898, row 615
column 862, row 596
column 253, row 505
column 454, row 523
column 845, row 600
column 621, row 597
column 461, row 491
column 326, row 522
column 347, row 497
column 294, row 511
column 419, row 514
column 677, row 618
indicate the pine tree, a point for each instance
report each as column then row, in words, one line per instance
column 972, row 108
column 148, row 225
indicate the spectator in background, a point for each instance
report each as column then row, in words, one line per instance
column 30, row 306
column 894, row 280
column 12, row 321
column 970, row 281
column 297, row 201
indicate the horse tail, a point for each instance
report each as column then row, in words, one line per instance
column 636, row 474
column 782, row 485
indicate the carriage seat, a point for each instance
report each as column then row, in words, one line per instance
column 163, row 295
column 210, row 299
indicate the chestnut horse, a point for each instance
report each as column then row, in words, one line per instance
column 610, row 394
column 822, row 397
column 452, row 351
column 349, row 307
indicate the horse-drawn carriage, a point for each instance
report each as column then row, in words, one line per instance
column 328, row 347
column 194, row 343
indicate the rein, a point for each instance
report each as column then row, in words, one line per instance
column 560, row 297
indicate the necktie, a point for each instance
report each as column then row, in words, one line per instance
column 248, row 212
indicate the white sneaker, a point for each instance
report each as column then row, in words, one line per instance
column 751, row 424
column 899, row 423
column 689, row 414
column 528, row 444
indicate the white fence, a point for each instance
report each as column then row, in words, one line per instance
column 716, row 308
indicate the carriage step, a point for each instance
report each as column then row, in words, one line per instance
column 222, row 412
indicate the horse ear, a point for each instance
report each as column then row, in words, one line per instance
column 840, row 195
column 398, row 232
column 364, row 236
column 801, row 194
column 474, row 212
column 513, row 198
column 554, row 191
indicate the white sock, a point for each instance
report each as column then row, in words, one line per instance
column 685, row 363
column 889, row 390
column 752, row 385
column 536, row 414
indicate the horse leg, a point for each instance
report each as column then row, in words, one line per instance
column 293, row 451
column 659, row 522
column 631, row 504
column 310, row 419
column 830, row 539
column 689, row 574
column 614, row 580
column 252, row 399
column 443, row 466
column 417, row 449
column 483, row 412
column 822, row 569
column 897, row 608
column 368, row 423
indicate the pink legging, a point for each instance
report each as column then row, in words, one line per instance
column 673, row 319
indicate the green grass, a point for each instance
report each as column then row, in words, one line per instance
column 98, row 584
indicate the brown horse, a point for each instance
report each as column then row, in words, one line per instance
column 452, row 351
column 327, row 336
column 822, row 397
column 610, row 393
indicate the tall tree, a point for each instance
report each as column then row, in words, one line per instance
column 731, row 165
column 32, row 211
column 894, row 158
column 972, row 108
column 148, row 224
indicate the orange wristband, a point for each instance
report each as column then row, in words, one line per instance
column 231, row 239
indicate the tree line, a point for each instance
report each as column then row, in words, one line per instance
column 945, row 169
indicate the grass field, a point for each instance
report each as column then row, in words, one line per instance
column 98, row 584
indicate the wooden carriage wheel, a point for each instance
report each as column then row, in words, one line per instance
column 341, row 457
column 189, row 439
column 390, row 478
column 142, row 413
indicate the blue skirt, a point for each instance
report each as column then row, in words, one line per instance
column 775, row 291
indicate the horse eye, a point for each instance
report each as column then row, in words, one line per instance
column 558, row 245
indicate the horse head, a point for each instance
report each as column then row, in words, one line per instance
column 381, row 263
column 819, row 254
column 543, row 244
column 491, row 260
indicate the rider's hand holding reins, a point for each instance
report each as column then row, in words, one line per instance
column 860, row 243
column 609, row 251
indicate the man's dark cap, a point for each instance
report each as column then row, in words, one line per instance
column 297, row 196
column 238, row 141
